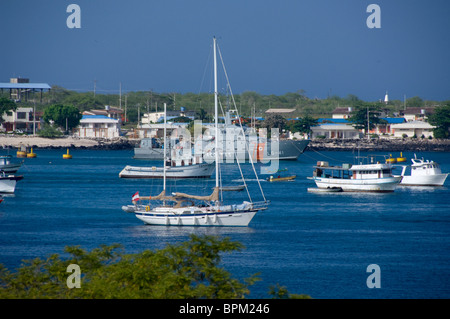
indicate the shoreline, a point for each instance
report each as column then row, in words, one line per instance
column 15, row 142
column 382, row 144
column 122, row 143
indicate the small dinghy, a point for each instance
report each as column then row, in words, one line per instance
column 324, row 190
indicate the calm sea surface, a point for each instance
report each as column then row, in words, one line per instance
column 316, row 244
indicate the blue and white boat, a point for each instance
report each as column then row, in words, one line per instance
column 369, row 177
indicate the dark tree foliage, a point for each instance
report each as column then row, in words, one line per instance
column 441, row 119
column 189, row 269
column 6, row 105
column 63, row 115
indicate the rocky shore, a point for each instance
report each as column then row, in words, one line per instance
column 392, row 145
column 67, row 142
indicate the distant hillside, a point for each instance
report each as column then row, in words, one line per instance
column 248, row 103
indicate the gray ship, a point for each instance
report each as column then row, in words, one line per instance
column 152, row 149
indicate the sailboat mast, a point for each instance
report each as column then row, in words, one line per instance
column 165, row 150
column 216, row 93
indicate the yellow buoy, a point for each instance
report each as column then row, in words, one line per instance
column 22, row 151
column 31, row 154
column 391, row 159
column 21, row 154
column 401, row 158
column 67, row 156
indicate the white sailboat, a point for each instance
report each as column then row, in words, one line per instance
column 178, row 166
column 179, row 209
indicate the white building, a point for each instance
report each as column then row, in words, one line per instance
column 157, row 130
column 20, row 119
column 157, row 117
column 342, row 112
column 417, row 128
column 98, row 126
column 343, row 131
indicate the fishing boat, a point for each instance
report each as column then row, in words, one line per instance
column 372, row 176
column 423, row 173
column 8, row 182
column 181, row 209
column 7, row 166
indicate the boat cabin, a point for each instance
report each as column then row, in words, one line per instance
column 348, row 171
column 367, row 172
column 425, row 168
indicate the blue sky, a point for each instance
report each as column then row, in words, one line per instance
column 272, row 47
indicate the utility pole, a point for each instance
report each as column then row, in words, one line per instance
column 120, row 94
column 126, row 96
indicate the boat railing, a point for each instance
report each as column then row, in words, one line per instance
column 260, row 205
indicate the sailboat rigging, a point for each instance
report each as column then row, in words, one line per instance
column 180, row 209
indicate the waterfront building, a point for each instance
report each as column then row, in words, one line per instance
column 22, row 119
column 98, row 126
column 413, row 128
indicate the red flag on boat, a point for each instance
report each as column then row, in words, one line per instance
column 135, row 197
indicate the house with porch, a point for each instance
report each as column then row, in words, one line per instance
column 413, row 128
column 98, row 126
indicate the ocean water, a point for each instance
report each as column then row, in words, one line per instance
column 315, row 244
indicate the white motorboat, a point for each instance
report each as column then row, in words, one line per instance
column 8, row 182
column 370, row 177
column 423, row 173
column 179, row 209
column 7, row 166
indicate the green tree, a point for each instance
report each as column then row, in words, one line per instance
column 202, row 114
column 441, row 119
column 189, row 269
column 181, row 119
column 415, row 101
column 49, row 131
column 365, row 114
column 63, row 115
column 274, row 120
column 6, row 105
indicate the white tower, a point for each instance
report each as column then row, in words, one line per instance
column 386, row 99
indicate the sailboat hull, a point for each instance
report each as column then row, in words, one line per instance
column 8, row 183
column 241, row 218
column 203, row 170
